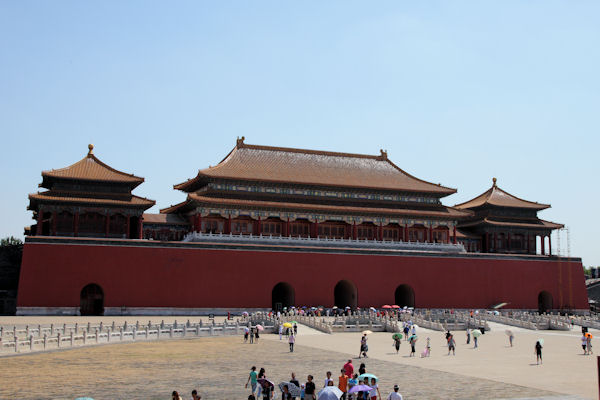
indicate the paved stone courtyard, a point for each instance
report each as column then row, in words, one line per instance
column 218, row 368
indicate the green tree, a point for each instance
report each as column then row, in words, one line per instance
column 11, row 241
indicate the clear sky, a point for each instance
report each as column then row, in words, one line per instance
column 458, row 92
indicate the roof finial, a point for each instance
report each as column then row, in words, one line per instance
column 91, row 149
column 494, row 182
column 383, row 154
column 240, row 141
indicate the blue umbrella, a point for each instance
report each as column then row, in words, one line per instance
column 370, row 376
column 84, row 398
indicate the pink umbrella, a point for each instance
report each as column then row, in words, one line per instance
column 387, row 306
column 396, row 306
column 260, row 327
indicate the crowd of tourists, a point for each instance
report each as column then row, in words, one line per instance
column 351, row 385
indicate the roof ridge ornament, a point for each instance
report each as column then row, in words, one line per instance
column 384, row 155
column 494, row 182
column 90, row 149
column 240, row 141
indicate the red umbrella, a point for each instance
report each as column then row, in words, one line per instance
column 387, row 306
column 396, row 306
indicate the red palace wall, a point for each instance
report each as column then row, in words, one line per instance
column 54, row 272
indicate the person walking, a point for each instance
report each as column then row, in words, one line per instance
column 343, row 383
column 511, row 337
column 413, row 342
column 195, row 395
column 246, row 330
column 295, row 329
column 256, row 336
column 363, row 346
column 286, row 395
column 428, row 348
column 291, row 342
column 374, row 392
column 349, row 369
column 405, row 330
column 397, row 341
column 328, row 379
column 362, row 369
column 589, row 344
column 452, row 345
column 295, row 382
column 538, row 352
column 252, row 379
column 280, row 332
column 251, row 335
column 309, row 389
column 584, row 344
column 475, row 341
column 468, row 336
column 395, row 395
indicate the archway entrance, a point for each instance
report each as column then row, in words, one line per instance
column 92, row 300
column 345, row 295
column 282, row 296
column 405, row 296
column 544, row 302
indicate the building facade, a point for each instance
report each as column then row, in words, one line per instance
column 297, row 227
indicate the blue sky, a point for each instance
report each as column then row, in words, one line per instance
column 457, row 92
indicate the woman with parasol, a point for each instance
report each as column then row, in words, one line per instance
column 397, row 339
column 538, row 351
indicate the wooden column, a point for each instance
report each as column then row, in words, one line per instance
column 140, row 230
column 487, row 242
column 54, row 216
column 107, row 224
column 454, row 234
column 406, row 233
column 259, row 227
column 228, row 225
column 287, row 227
column 198, row 222
column 508, row 241
column 543, row 240
column 40, row 221
column 128, row 227
column 528, row 244
column 495, row 243
column 76, row 224
column 430, row 234
column 354, row 230
column 550, row 244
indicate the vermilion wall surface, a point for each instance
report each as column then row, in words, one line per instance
column 52, row 275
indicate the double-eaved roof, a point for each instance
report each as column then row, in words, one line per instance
column 497, row 197
column 311, row 167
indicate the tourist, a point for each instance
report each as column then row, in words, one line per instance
column 295, row 382
column 413, row 342
column 511, row 337
column 353, row 381
column 584, row 344
column 452, row 345
column 475, row 341
column 261, row 374
column 468, row 336
column 291, row 342
column 176, row 396
column 268, row 392
column 395, row 395
column 349, row 369
column 251, row 335
column 538, row 352
column 256, row 336
column 362, row 369
column 286, row 395
column 589, row 344
column 195, row 395
column 328, row 379
column 295, row 329
column 246, row 330
column 413, row 330
column 427, row 350
column 252, row 379
column 251, row 397
column 343, row 383
column 309, row 389
column 405, row 330
column 374, row 392
column 397, row 343
column 280, row 331
column 363, row 344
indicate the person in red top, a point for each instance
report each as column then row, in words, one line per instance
column 343, row 383
column 349, row 368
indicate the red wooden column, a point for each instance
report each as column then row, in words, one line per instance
column 40, row 221
column 287, row 227
column 543, row 240
column 487, row 242
column 228, row 225
column 316, row 229
column 140, row 227
column 454, row 234
column 528, row 245
column 259, row 226
column 550, row 244
column 128, row 227
column 107, row 224
column 406, row 233
column 76, row 224
column 199, row 222
column 354, row 230
column 508, row 241
column 54, row 216
column 430, row 234
column 495, row 243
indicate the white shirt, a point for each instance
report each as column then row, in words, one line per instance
column 394, row 396
column 327, row 380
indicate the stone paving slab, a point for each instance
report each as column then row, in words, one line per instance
column 218, row 368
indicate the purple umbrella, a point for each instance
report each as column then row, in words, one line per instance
column 359, row 388
column 265, row 382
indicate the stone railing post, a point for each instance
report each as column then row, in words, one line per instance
column 171, row 331
column 112, row 327
column 175, row 324
column 157, row 332
column 124, row 326
column 89, row 326
column 85, row 333
column 187, row 324
column 198, row 330
column 58, row 339
column 76, row 327
column 72, row 338
column 64, row 329
column 162, row 324
column 31, row 343
column 137, row 325
column 134, row 333
column 101, row 326
column 109, row 334
column 200, row 323
column 45, row 341
column 121, row 333
column 97, row 335
column 211, row 330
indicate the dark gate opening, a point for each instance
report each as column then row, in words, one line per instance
column 405, row 296
column 544, row 302
column 92, row 300
column 345, row 295
column 282, row 296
